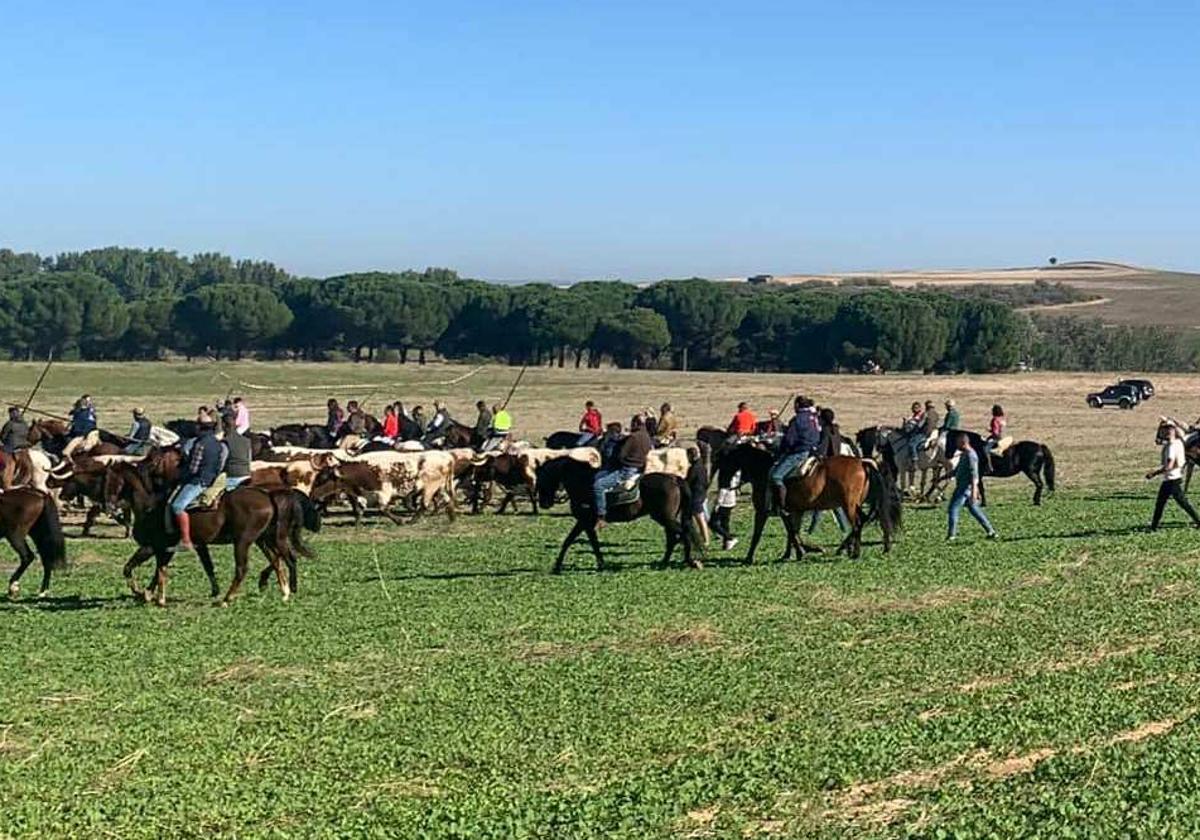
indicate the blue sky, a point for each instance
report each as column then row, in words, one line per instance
column 590, row 140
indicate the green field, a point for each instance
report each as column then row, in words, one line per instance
column 436, row 681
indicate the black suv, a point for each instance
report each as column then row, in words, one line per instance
column 1123, row 396
column 1145, row 387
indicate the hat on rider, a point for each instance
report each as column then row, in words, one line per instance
column 139, row 412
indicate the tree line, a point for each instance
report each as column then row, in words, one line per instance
column 123, row 303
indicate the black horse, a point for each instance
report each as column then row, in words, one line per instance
column 565, row 440
column 1028, row 457
column 664, row 498
column 306, row 435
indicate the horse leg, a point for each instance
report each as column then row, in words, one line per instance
column 1036, row 478
column 207, row 564
column 163, row 560
column 572, row 535
column 792, row 542
column 241, row 559
column 139, row 557
column 25, row 556
column 90, row 520
column 274, row 555
column 595, row 543
column 672, row 537
column 760, row 521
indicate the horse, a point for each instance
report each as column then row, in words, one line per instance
column 563, row 440
column 451, row 435
column 26, row 512
column 243, row 517
column 664, row 498
column 1030, row 458
column 842, row 482
column 306, row 435
column 879, row 438
column 85, row 484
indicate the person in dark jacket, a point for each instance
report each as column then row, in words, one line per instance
column 203, row 466
column 829, row 445
column 697, row 482
column 15, row 438
column 483, row 423
column 83, row 431
column 631, row 462
column 237, row 454
column 799, row 442
column 139, row 434
column 334, row 417
column 15, row 434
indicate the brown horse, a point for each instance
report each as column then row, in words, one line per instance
column 25, row 512
column 271, row 519
column 838, row 482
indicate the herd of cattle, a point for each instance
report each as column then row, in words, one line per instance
column 380, row 478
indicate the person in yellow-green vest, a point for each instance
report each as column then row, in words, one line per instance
column 501, row 428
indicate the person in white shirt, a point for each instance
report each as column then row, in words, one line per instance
column 1174, row 459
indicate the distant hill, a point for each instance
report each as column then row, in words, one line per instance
column 1128, row 294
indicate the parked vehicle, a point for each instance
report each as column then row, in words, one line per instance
column 1122, row 396
column 1145, row 387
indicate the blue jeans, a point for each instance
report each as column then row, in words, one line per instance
column 915, row 441
column 839, row 516
column 609, row 480
column 187, row 494
column 785, row 465
column 585, row 438
column 234, row 483
column 961, row 497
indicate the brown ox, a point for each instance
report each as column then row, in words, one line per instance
column 381, row 480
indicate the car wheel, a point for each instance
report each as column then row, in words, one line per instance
column 1126, row 404
column 1095, row 403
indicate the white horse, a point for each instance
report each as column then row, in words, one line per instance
column 930, row 456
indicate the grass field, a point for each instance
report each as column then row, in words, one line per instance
column 435, row 681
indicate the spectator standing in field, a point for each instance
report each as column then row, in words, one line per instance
column 726, row 502
column 241, row 415
column 966, row 491
column 1174, row 459
column 697, row 482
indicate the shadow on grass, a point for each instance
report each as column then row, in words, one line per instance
column 67, row 603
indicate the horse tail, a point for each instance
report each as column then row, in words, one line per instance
column 685, row 515
column 298, row 514
column 882, row 498
column 1048, row 467
column 47, row 535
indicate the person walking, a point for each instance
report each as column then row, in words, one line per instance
column 726, row 502
column 966, row 491
column 697, row 482
column 1174, row 459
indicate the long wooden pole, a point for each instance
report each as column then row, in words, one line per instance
column 513, row 389
column 37, row 387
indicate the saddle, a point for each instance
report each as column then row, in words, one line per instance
column 628, row 492
column 931, row 442
column 1001, row 445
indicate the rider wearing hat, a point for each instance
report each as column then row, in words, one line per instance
column 139, row 433
column 799, row 442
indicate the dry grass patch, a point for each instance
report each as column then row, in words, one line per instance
column 251, row 670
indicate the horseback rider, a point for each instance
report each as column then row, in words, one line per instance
column 334, row 418
column 630, row 462
column 391, row 423
column 933, row 421
column 649, row 422
column 996, row 426
column 355, row 426
column 913, row 431
column 501, row 428
column 440, row 416
column 591, row 425
column 203, row 467
column 418, row 417
column 608, row 445
column 83, row 430
column 241, row 415
column 15, row 438
column 744, row 423
column 768, row 428
column 139, row 433
column 953, row 421
column 237, row 453
column 483, row 423
column 668, row 426
column 799, row 442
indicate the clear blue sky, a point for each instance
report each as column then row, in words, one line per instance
column 566, row 140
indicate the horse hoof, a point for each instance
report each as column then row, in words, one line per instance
column 42, row 593
column 287, row 595
column 224, row 602
column 14, row 590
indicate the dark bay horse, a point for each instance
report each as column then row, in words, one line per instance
column 664, row 498
column 838, row 482
column 307, row 435
column 25, row 512
column 272, row 519
column 1025, row 457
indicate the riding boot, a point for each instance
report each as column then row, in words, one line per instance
column 780, row 497
column 185, row 532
